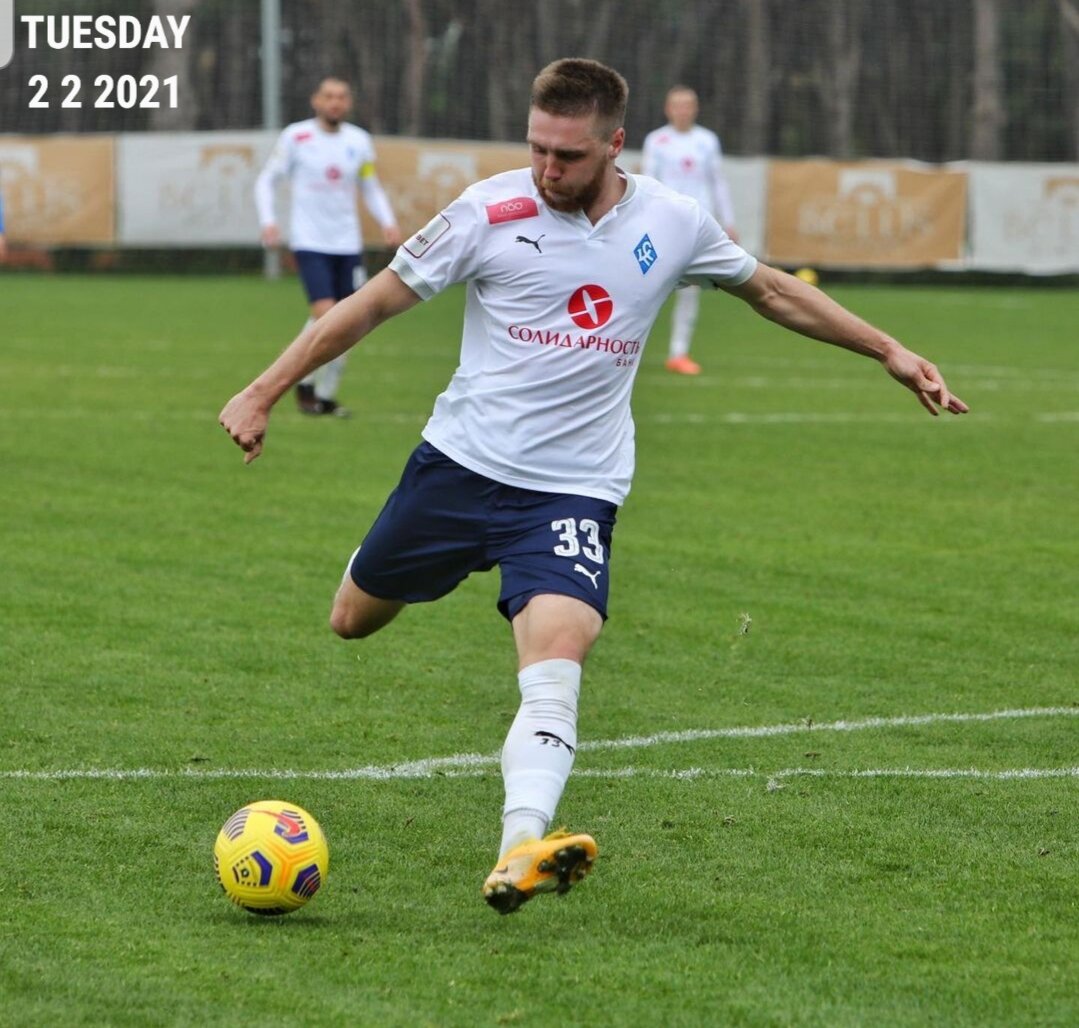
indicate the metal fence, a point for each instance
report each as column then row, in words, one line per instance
column 938, row 81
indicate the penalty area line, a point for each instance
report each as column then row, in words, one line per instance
column 463, row 765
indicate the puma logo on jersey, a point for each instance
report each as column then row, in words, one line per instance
column 592, row 575
column 531, row 242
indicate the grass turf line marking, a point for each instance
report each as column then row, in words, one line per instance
column 862, row 724
column 474, row 764
column 675, row 774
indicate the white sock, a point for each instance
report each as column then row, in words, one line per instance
column 328, row 378
column 687, row 302
column 310, row 379
column 538, row 754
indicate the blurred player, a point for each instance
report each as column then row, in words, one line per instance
column 325, row 160
column 529, row 450
column 3, row 237
column 687, row 157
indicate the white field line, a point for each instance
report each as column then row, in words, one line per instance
column 462, row 765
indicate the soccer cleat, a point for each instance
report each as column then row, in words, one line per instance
column 331, row 407
column 684, row 365
column 305, row 399
column 551, row 864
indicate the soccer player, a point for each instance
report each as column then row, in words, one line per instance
column 325, row 159
column 3, row 237
column 688, row 158
column 529, row 451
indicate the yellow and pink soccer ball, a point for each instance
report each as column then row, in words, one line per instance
column 271, row 857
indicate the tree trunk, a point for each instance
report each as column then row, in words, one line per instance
column 411, row 117
column 179, row 62
column 1069, row 26
column 758, row 92
column 841, row 81
column 987, row 121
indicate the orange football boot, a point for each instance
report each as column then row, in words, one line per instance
column 551, row 864
column 684, row 365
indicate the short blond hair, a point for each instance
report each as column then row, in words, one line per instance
column 576, row 86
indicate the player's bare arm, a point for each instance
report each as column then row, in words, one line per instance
column 245, row 416
column 803, row 308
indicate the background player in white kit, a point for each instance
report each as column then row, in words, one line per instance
column 688, row 158
column 3, row 236
column 325, row 159
column 529, row 450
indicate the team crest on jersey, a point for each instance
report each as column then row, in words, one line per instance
column 645, row 253
column 512, row 210
column 303, row 137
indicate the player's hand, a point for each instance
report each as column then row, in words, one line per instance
column 393, row 237
column 245, row 420
column 924, row 380
column 271, row 236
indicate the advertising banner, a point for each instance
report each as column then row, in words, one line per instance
column 873, row 214
column 1025, row 217
column 58, row 190
column 191, row 188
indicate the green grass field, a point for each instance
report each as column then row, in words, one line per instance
column 165, row 608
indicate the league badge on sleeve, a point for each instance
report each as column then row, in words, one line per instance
column 427, row 236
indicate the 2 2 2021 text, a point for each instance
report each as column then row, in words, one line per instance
column 125, row 91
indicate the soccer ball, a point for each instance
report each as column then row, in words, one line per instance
column 808, row 275
column 271, row 857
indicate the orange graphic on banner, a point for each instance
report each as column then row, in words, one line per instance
column 867, row 214
column 58, row 189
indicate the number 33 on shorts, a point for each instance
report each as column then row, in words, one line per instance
column 570, row 534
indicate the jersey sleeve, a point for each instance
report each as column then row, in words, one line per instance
column 274, row 169
column 376, row 200
column 717, row 261
column 445, row 251
column 1, row 214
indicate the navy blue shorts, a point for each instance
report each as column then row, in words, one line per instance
column 328, row 276
column 443, row 522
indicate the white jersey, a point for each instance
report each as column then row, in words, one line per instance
column 557, row 314
column 692, row 163
column 325, row 169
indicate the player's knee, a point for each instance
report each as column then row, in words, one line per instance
column 356, row 615
column 348, row 624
